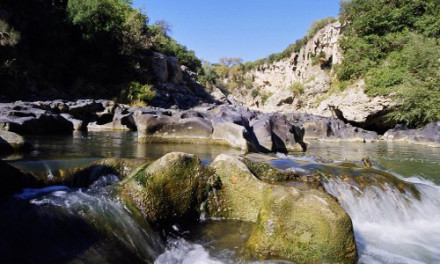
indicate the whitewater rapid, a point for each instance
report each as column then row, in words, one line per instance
column 391, row 226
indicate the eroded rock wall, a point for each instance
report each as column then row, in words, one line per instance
column 313, row 68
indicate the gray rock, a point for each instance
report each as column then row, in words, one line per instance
column 427, row 135
column 160, row 67
column 174, row 70
column 11, row 142
column 166, row 127
column 82, row 109
column 36, row 125
column 285, row 136
column 13, row 179
column 78, row 125
column 230, row 132
column 327, row 128
column 262, row 130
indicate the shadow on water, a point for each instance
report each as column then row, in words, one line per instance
column 74, row 225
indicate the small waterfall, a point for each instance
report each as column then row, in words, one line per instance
column 392, row 226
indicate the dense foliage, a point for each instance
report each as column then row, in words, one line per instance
column 80, row 48
column 395, row 46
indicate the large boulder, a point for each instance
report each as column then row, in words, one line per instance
column 304, row 227
column 285, row 136
column 235, row 135
column 11, row 142
column 37, row 124
column 237, row 193
column 262, row 130
column 167, row 128
column 235, row 114
column 169, row 190
column 78, row 125
column 83, row 109
column 427, row 135
column 13, row 179
column 332, row 129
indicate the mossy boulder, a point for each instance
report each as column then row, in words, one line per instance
column 363, row 177
column 13, row 143
column 236, row 192
column 267, row 173
column 169, row 190
column 302, row 226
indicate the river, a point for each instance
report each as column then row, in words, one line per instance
column 52, row 225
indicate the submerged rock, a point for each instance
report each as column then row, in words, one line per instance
column 267, row 173
column 86, row 175
column 169, row 190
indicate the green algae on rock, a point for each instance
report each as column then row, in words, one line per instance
column 267, row 173
column 240, row 194
column 170, row 189
column 304, row 227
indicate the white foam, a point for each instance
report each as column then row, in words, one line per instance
column 181, row 251
column 391, row 226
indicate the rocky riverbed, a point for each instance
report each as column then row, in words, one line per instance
column 235, row 126
column 277, row 207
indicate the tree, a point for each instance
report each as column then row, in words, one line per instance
column 164, row 26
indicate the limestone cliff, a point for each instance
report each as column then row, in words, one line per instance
column 312, row 69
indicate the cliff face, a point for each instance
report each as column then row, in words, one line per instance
column 312, row 69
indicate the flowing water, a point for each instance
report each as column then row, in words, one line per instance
column 89, row 225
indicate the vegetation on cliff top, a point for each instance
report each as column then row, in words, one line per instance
column 92, row 48
column 395, row 46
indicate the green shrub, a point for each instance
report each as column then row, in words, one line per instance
column 297, row 88
column 170, row 47
column 255, row 93
column 248, row 82
column 395, row 46
column 318, row 25
column 265, row 97
column 208, row 76
column 137, row 92
column 317, row 59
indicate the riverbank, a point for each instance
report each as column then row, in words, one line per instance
column 235, row 126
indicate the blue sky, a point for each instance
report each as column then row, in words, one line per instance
column 250, row 29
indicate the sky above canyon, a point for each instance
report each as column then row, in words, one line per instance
column 250, row 29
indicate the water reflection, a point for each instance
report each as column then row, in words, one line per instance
column 405, row 159
column 79, row 149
